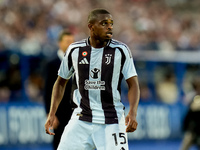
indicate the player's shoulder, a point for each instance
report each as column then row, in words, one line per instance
column 116, row 43
column 120, row 45
column 77, row 44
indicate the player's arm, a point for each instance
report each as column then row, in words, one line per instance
column 133, row 97
column 57, row 95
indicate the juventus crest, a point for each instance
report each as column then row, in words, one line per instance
column 108, row 58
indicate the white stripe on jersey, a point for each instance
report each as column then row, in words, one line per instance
column 116, row 95
column 76, row 94
column 95, row 95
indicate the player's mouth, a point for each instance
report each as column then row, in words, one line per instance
column 109, row 34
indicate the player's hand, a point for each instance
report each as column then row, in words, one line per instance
column 131, row 123
column 56, row 123
column 49, row 125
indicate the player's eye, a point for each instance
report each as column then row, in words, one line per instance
column 104, row 23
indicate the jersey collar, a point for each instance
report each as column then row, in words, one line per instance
column 88, row 42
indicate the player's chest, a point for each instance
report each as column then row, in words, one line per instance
column 96, row 57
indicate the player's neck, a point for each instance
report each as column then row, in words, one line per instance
column 96, row 43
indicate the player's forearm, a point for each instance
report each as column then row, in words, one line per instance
column 133, row 96
column 57, row 95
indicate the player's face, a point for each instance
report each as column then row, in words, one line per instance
column 65, row 42
column 103, row 26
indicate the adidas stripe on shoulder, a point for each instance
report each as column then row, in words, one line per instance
column 116, row 43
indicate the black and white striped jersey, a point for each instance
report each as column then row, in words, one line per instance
column 98, row 72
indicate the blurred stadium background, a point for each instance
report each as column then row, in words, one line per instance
column 164, row 37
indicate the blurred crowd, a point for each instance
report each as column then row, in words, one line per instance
column 32, row 26
column 29, row 28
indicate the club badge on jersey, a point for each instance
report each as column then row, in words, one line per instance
column 108, row 58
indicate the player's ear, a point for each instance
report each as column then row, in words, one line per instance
column 90, row 26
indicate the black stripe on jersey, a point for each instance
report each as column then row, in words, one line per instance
column 83, row 71
column 106, row 95
column 122, row 65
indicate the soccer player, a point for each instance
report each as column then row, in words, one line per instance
column 65, row 38
column 191, row 121
column 99, row 63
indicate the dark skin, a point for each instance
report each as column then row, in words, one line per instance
column 101, row 30
column 100, row 33
column 133, row 97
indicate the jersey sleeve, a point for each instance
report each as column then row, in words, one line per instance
column 129, row 67
column 66, row 68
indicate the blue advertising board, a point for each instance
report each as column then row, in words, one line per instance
column 23, row 123
column 159, row 122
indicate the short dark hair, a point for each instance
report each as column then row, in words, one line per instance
column 63, row 33
column 93, row 14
